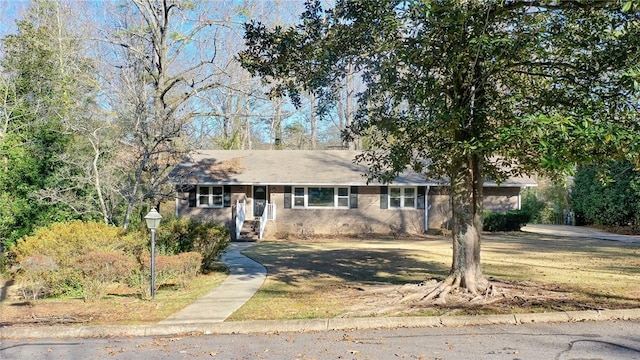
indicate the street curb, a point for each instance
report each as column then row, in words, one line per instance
column 279, row 326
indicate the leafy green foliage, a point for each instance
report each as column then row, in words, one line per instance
column 88, row 257
column 176, row 236
column 39, row 96
column 547, row 203
column 533, row 205
column 607, row 194
column 467, row 90
column 509, row 221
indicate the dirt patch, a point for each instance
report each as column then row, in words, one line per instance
column 510, row 297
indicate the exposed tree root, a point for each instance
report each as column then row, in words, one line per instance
column 480, row 290
column 498, row 296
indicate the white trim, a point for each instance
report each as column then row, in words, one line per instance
column 305, row 197
column 426, row 208
column 253, row 199
column 403, row 197
column 210, row 195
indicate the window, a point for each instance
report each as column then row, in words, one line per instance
column 298, row 197
column 210, row 196
column 321, row 197
column 343, row 197
column 400, row 197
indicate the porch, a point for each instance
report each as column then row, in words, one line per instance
column 252, row 229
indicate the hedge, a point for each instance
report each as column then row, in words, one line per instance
column 510, row 221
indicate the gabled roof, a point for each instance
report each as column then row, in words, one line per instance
column 290, row 167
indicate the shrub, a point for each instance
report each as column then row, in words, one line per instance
column 607, row 194
column 66, row 241
column 177, row 270
column 177, row 236
column 101, row 269
column 533, row 205
column 34, row 272
column 546, row 204
column 509, row 221
column 66, row 244
column 91, row 256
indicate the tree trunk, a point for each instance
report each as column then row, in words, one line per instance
column 313, row 121
column 466, row 198
column 96, row 173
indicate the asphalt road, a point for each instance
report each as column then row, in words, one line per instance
column 619, row 340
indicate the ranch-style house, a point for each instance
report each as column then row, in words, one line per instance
column 315, row 192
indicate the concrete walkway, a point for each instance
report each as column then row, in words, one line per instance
column 207, row 315
column 245, row 278
column 579, row 231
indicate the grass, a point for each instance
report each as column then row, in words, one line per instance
column 324, row 278
column 320, row 279
column 120, row 309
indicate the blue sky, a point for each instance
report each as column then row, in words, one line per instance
column 11, row 10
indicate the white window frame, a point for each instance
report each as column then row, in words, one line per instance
column 210, row 196
column 403, row 197
column 336, row 197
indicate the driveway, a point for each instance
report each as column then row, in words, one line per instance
column 579, row 231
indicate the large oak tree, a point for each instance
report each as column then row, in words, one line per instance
column 467, row 91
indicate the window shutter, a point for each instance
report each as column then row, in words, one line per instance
column 353, row 198
column 226, row 196
column 287, row 197
column 421, row 196
column 384, row 198
column 192, row 196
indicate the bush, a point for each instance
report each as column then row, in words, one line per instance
column 533, row 205
column 34, row 272
column 67, row 245
column 64, row 242
column 607, row 194
column 177, row 270
column 90, row 256
column 546, row 204
column 101, row 269
column 509, row 221
column 176, row 236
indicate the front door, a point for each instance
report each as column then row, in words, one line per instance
column 259, row 200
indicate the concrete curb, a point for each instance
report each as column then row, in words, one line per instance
column 279, row 326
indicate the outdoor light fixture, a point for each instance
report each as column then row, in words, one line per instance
column 153, row 222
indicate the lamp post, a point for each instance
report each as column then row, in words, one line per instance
column 153, row 222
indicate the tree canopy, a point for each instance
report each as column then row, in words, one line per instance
column 99, row 101
column 467, row 90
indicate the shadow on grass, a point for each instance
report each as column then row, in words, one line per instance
column 328, row 279
column 528, row 243
column 288, row 263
